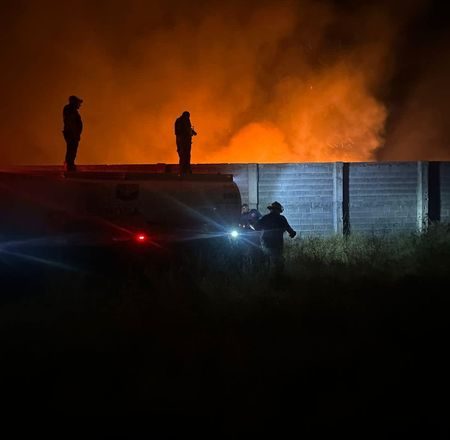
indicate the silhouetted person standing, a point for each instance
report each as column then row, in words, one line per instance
column 273, row 226
column 184, row 132
column 73, row 126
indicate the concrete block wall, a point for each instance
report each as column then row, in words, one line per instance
column 383, row 197
column 445, row 192
column 336, row 197
column 305, row 191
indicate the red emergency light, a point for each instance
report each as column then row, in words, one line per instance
column 141, row 237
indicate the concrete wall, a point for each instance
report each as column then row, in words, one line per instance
column 327, row 198
column 383, row 197
column 445, row 192
column 305, row 191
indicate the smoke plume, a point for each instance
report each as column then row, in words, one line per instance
column 264, row 81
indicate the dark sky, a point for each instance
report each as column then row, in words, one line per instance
column 418, row 98
column 264, row 80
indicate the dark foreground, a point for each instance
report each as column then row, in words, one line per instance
column 206, row 340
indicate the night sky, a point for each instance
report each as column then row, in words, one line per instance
column 265, row 81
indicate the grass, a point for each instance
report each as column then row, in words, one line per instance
column 353, row 334
column 392, row 256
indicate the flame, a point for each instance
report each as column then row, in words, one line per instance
column 256, row 142
column 332, row 117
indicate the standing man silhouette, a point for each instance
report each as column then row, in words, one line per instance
column 73, row 126
column 183, row 133
column 273, row 226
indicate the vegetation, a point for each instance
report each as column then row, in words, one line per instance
column 353, row 334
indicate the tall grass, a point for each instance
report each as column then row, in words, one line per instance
column 389, row 256
column 227, row 270
column 230, row 270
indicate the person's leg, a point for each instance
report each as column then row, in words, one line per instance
column 266, row 258
column 72, row 153
column 188, row 158
column 276, row 263
column 180, row 155
column 182, row 161
column 67, row 157
column 185, row 157
column 75, row 150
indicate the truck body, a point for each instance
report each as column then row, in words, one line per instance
column 110, row 204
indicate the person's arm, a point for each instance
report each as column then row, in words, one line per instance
column 259, row 225
column 288, row 229
column 79, row 123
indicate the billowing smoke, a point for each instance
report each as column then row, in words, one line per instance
column 419, row 128
column 264, row 81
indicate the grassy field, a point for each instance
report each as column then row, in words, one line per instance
column 353, row 338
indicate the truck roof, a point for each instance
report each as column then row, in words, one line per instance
column 115, row 172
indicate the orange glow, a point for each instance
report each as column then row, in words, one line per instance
column 329, row 118
column 263, row 81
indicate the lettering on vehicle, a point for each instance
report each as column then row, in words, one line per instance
column 118, row 211
column 127, row 191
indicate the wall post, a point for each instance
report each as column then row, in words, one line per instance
column 338, row 186
column 422, row 196
column 253, row 179
column 434, row 192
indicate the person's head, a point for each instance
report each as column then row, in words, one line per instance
column 186, row 115
column 75, row 101
column 244, row 208
column 275, row 207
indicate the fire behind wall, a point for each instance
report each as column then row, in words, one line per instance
column 265, row 81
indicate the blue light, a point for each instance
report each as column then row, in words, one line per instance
column 234, row 234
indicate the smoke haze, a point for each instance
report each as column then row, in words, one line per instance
column 264, row 81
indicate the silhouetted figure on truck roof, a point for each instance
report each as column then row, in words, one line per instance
column 183, row 133
column 273, row 226
column 73, row 126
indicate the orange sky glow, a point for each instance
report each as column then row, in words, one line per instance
column 264, row 81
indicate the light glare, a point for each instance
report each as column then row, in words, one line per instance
column 141, row 238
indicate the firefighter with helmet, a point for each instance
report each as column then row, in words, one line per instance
column 273, row 227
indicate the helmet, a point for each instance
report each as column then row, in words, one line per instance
column 75, row 99
column 275, row 206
